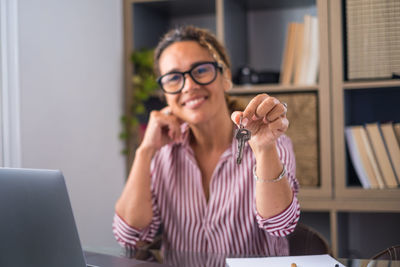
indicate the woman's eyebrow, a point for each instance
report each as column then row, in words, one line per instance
column 191, row 66
column 173, row 70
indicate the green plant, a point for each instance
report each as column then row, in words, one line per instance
column 143, row 86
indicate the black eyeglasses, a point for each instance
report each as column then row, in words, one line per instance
column 202, row 73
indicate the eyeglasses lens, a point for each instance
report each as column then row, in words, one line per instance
column 201, row 74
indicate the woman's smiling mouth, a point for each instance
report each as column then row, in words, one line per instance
column 194, row 102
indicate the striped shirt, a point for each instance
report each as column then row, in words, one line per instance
column 228, row 222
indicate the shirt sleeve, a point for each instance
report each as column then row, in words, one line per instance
column 285, row 222
column 128, row 236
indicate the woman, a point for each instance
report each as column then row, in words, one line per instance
column 185, row 174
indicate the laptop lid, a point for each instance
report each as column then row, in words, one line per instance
column 37, row 227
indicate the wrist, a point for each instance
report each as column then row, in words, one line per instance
column 145, row 151
column 263, row 153
column 274, row 180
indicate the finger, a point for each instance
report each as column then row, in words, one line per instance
column 170, row 124
column 174, row 128
column 235, row 117
column 250, row 111
column 266, row 107
column 166, row 110
column 279, row 126
column 277, row 111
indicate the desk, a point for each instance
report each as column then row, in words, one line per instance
column 155, row 258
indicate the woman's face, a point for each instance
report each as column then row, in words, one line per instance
column 195, row 103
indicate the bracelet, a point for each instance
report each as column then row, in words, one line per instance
column 283, row 173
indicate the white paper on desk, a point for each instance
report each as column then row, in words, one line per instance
column 301, row 261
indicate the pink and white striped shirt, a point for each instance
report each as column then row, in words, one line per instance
column 229, row 222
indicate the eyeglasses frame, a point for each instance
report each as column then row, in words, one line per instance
column 214, row 63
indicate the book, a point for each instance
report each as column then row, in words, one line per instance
column 377, row 179
column 358, row 157
column 396, row 127
column 288, row 55
column 392, row 146
column 312, row 68
column 298, row 58
column 302, row 64
column 381, row 154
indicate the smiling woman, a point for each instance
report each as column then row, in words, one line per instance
column 185, row 174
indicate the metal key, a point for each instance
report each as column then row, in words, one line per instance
column 242, row 135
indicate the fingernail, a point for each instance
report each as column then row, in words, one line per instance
column 245, row 121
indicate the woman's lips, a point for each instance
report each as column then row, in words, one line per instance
column 194, row 102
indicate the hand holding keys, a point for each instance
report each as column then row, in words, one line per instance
column 242, row 135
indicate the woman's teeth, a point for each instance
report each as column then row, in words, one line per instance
column 194, row 101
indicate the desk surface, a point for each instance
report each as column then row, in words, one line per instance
column 156, row 258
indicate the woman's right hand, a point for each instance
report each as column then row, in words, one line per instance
column 163, row 128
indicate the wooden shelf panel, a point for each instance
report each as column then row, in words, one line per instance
column 356, row 205
column 315, row 192
column 179, row 8
column 270, row 88
column 262, row 4
column 371, row 84
column 366, row 194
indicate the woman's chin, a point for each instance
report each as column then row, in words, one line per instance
column 194, row 119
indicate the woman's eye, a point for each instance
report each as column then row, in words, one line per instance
column 202, row 70
column 173, row 78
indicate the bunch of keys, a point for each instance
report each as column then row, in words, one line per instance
column 242, row 135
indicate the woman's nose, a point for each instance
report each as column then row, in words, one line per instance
column 190, row 84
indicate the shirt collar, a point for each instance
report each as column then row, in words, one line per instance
column 185, row 130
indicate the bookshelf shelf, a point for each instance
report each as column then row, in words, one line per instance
column 270, row 88
column 354, row 205
column 371, row 84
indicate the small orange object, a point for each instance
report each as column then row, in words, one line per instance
column 293, row 265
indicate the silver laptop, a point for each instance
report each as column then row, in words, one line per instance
column 37, row 227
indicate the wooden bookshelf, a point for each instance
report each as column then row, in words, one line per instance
column 347, row 197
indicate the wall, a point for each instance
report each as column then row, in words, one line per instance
column 71, row 99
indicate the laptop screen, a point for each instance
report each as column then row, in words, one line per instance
column 37, row 227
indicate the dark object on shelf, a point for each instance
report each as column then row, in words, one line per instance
column 247, row 75
column 395, row 75
column 268, row 77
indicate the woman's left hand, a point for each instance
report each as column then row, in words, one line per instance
column 265, row 117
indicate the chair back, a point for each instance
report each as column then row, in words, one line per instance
column 307, row 241
column 392, row 253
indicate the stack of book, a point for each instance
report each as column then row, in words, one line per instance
column 300, row 61
column 375, row 153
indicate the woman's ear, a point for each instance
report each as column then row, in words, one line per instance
column 227, row 80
